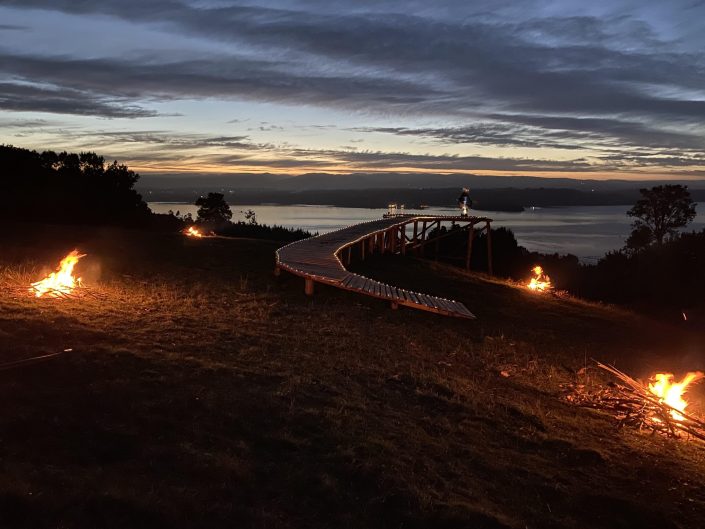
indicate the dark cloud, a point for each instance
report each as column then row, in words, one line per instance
column 361, row 160
column 611, row 84
column 23, row 97
column 558, row 132
column 472, row 63
column 497, row 134
column 223, row 77
column 240, row 151
column 172, row 140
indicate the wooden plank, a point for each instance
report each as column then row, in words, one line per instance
column 442, row 303
column 372, row 287
column 357, row 282
column 428, row 300
column 422, row 299
column 435, row 301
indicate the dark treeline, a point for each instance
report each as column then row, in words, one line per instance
column 68, row 188
column 262, row 231
column 666, row 277
column 215, row 215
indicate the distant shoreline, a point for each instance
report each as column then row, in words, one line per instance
column 505, row 199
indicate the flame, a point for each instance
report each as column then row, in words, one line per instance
column 671, row 392
column 59, row 283
column 541, row 282
column 193, row 232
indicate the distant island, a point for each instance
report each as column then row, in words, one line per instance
column 498, row 199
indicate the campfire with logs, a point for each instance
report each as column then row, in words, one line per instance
column 63, row 282
column 658, row 407
column 193, row 232
column 540, row 282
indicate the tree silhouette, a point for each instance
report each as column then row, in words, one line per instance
column 659, row 214
column 68, row 187
column 213, row 210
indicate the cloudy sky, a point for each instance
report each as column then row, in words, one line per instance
column 600, row 89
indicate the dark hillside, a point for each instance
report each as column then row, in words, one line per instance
column 201, row 392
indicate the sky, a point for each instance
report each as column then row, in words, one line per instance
column 599, row 89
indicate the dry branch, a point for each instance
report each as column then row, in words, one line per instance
column 633, row 404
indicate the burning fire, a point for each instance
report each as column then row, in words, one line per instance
column 540, row 282
column 59, row 283
column 193, row 232
column 671, row 392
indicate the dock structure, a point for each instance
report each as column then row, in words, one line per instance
column 323, row 258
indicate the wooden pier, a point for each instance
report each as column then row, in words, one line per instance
column 322, row 259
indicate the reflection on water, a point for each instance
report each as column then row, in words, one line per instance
column 586, row 231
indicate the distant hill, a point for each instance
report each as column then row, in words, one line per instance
column 325, row 181
column 501, row 199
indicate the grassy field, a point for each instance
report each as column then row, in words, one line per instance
column 201, row 392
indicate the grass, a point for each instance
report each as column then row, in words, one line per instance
column 201, row 392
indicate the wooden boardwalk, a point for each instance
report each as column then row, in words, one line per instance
column 321, row 259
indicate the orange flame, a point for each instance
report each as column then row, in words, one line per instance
column 671, row 392
column 59, row 283
column 541, row 282
column 193, row 232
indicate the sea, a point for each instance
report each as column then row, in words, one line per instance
column 588, row 232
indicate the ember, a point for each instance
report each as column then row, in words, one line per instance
column 193, row 232
column 62, row 282
column 540, row 282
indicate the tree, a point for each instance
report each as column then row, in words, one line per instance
column 250, row 216
column 69, row 188
column 659, row 213
column 213, row 209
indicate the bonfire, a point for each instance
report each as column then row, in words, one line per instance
column 193, row 232
column 668, row 391
column 540, row 282
column 659, row 407
column 62, row 282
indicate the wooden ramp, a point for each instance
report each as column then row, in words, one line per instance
column 320, row 259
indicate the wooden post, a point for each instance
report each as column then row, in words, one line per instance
column 468, row 255
column 392, row 240
column 371, row 244
column 362, row 250
column 416, row 230
column 438, row 241
column 381, row 243
column 308, row 286
column 395, row 305
column 402, row 233
column 423, row 231
column 348, row 255
column 489, row 249
column 277, row 271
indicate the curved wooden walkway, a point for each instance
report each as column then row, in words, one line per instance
column 320, row 259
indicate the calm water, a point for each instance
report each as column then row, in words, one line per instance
column 586, row 231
